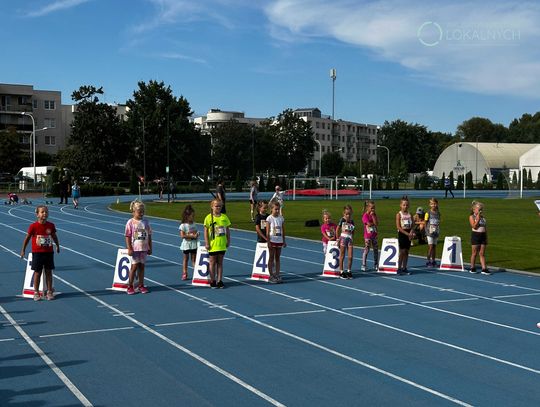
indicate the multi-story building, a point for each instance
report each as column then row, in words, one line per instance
column 216, row 117
column 46, row 109
column 354, row 141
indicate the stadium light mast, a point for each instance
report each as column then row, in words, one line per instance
column 333, row 75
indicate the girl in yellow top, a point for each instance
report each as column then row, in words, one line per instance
column 217, row 238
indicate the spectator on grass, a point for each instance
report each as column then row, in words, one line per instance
column 254, row 190
column 278, row 197
column 220, row 194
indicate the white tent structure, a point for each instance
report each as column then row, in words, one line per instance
column 530, row 161
column 481, row 159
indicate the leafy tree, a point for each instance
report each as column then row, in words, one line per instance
column 481, row 129
column 97, row 141
column 332, row 163
column 12, row 157
column 526, row 129
column 292, row 141
column 469, row 180
column 165, row 120
column 232, row 143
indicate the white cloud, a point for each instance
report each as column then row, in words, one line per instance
column 176, row 55
column 55, row 6
column 483, row 47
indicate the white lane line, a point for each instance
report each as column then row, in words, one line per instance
column 454, row 291
column 454, row 300
column 201, row 321
column 391, row 327
column 69, row 384
column 7, row 339
column 194, row 355
column 319, row 346
column 280, row 314
column 516, row 295
column 373, row 306
column 86, row 332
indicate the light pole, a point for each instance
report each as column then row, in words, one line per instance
column 387, row 159
column 333, row 75
column 33, row 142
column 253, row 150
column 320, row 157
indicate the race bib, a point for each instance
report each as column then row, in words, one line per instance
column 220, row 230
column 263, row 224
column 372, row 229
column 140, row 234
column 43, row 241
column 277, row 231
column 406, row 223
column 433, row 229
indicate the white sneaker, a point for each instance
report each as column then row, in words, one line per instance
column 364, row 268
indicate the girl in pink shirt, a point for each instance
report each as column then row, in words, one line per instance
column 328, row 229
column 370, row 221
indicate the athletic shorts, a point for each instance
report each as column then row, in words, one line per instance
column 190, row 251
column 42, row 261
column 345, row 241
column 478, row 238
column 275, row 245
column 432, row 239
column 404, row 241
column 138, row 257
column 217, row 253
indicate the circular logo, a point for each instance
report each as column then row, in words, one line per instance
column 430, row 33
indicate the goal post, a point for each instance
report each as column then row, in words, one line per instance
column 325, row 183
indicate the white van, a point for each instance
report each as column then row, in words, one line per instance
column 27, row 173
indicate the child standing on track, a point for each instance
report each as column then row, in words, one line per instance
column 275, row 235
column 478, row 237
column 139, row 244
column 217, row 238
column 43, row 234
column 433, row 220
column 370, row 221
column 260, row 221
column 190, row 239
column 345, row 233
column 328, row 229
column 75, row 194
column 404, row 225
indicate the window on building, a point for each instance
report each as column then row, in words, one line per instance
column 24, row 139
column 23, row 100
column 5, row 102
column 317, row 125
column 50, row 140
column 50, row 123
column 35, row 104
column 49, row 104
column 323, row 125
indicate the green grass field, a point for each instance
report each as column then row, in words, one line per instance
column 513, row 224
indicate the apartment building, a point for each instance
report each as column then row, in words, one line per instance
column 354, row 141
column 44, row 106
column 216, row 117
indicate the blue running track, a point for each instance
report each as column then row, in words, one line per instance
column 431, row 338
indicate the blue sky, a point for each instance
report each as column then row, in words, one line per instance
column 435, row 63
